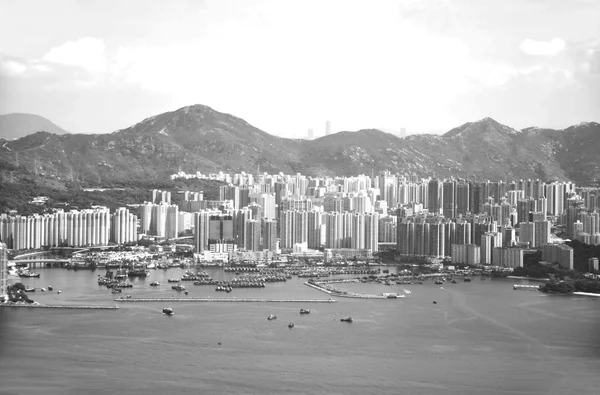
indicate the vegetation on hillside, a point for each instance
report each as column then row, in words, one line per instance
column 67, row 195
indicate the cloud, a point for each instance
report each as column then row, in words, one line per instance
column 12, row 68
column 543, row 48
column 86, row 53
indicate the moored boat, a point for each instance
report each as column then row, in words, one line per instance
column 155, row 283
column 303, row 311
column 271, row 317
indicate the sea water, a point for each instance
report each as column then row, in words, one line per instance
column 481, row 337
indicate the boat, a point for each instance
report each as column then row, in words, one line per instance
column 291, row 325
column 43, row 289
column 467, row 279
column 173, row 280
column 116, row 291
column 438, row 282
column 168, row 311
column 29, row 275
column 434, row 302
column 155, row 283
column 271, row 317
column 151, row 266
column 138, row 273
column 303, row 311
column 50, row 288
column 29, row 289
column 348, row 319
column 178, row 287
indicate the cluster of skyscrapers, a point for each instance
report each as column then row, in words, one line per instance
column 491, row 222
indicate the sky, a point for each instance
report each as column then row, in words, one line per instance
column 289, row 66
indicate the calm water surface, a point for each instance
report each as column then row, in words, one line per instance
column 481, row 337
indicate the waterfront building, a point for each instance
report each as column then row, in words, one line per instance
column 507, row 257
column 558, row 253
column 123, row 227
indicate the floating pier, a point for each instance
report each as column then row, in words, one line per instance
column 225, row 300
column 60, row 306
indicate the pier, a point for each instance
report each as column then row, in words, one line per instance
column 224, row 300
column 593, row 295
column 345, row 294
column 527, row 286
column 59, row 306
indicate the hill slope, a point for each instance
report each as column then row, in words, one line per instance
column 198, row 138
column 15, row 126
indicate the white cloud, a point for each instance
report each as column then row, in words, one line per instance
column 543, row 48
column 87, row 53
column 12, row 68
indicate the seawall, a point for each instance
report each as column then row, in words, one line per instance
column 528, row 278
column 60, row 306
column 224, row 300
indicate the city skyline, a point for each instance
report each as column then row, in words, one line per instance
column 454, row 59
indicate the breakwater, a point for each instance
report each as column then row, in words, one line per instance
column 344, row 294
column 587, row 294
column 59, row 306
column 225, row 300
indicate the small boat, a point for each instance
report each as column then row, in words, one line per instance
column 116, row 290
column 178, row 287
column 348, row 319
column 128, row 296
column 438, row 282
column 303, row 311
column 155, row 283
column 168, row 311
column 434, row 302
column 50, row 288
column 29, row 275
column 173, row 280
column 29, row 289
column 43, row 289
column 271, row 317
column 291, row 325
column 59, row 292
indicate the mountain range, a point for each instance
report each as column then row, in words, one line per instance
column 198, row 138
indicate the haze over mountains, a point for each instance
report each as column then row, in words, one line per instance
column 14, row 126
column 198, row 138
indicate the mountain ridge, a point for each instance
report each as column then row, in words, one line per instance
column 199, row 138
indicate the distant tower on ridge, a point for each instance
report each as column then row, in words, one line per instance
column 311, row 134
column 327, row 128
